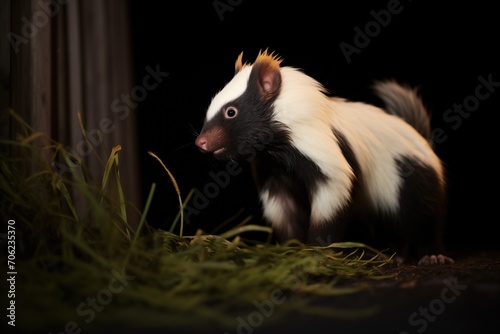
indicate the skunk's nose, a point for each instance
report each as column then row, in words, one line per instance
column 202, row 143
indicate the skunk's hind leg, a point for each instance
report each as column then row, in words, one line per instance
column 422, row 211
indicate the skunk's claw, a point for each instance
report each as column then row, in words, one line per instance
column 435, row 259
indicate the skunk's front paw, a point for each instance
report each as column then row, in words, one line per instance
column 435, row 259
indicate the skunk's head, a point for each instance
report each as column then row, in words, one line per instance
column 239, row 121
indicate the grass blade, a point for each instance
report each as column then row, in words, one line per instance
column 176, row 186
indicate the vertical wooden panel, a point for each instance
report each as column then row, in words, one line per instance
column 21, row 83
column 120, row 69
column 41, row 51
column 77, row 60
column 72, row 25
column 106, row 68
column 95, row 75
column 5, row 28
column 60, row 98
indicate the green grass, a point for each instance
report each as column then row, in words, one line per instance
column 73, row 236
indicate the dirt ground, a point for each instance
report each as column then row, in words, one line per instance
column 463, row 297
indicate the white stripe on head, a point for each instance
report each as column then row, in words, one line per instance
column 234, row 89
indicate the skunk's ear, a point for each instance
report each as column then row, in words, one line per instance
column 238, row 65
column 267, row 72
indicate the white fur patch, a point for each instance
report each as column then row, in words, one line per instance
column 306, row 111
column 326, row 203
column 277, row 209
column 235, row 88
column 375, row 137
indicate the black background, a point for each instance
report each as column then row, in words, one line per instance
column 442, row 48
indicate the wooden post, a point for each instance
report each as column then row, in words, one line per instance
column 72, row 57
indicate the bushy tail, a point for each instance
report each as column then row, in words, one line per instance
column 403, row 101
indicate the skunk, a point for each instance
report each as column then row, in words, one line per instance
column 328, row 169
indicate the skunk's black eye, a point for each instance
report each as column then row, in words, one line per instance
column 231, row 112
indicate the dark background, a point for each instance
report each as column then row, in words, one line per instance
column 442, row 48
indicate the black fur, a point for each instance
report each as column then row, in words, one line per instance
column 422, row 213
column 286, row 173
